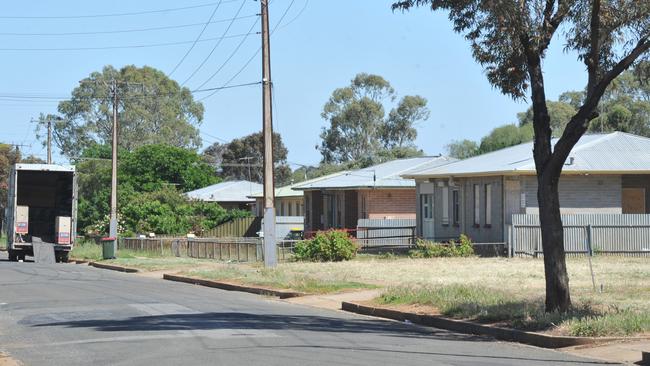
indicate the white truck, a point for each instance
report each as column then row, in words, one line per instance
column 41, row 206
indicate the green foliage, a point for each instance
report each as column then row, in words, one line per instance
column 559, row 112
column 153, row 166
column 151, row 181
column 358, row 126
column 462, row 149
column 326, row 246
column 239, row 153
column 505, row 136
column 428, row 249
column 153, row 109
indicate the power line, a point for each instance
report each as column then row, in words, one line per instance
column 150, row 45
column 232, row 54
column 131, row 30
column 111, row 15
column 197, row 38
column 253, row 56
column 225, row 32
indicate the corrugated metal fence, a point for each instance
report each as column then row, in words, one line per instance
column 241, row 227
column 373, row 233
column 284, row 225
column 611, row 234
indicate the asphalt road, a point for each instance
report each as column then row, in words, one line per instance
column 70, row 314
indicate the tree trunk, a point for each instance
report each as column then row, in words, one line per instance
column 548, row 176
column 557, row 280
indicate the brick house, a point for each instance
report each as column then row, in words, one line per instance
column 340, row 200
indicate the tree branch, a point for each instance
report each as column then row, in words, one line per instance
column 578, row 125
column 594, row 47
column 552, row 22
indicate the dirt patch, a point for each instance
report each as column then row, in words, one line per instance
column 5, row 360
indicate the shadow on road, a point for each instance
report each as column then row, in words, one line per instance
column 233, row 320
column 247, row 321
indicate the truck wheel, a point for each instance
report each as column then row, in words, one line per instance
column 13, row 256
column 61, row 257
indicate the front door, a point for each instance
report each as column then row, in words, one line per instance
column 634, row 201
column 426, row 208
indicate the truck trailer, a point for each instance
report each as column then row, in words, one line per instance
column 41, row 206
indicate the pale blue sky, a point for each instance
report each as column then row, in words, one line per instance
column 322, row 49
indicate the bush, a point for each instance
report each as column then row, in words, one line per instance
column 327, row 246
column 429, row 249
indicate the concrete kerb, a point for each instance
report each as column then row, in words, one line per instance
column 233, row 287
column 504, row 334
column 113, row 267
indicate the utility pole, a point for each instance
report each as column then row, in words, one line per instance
column 270, row 255
column 113, row 223
column 49, row 141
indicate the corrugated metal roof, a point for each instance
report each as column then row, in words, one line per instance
column 232, row 191
column 289, row 191
column 385, row 175
column 614, row 152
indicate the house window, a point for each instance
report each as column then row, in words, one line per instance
column 289, row 209
column 339, row 215
column 427, row 206
column 456, row 203
column 488, row 204
column 364, row 206
column 477, row 205
column 445, row 205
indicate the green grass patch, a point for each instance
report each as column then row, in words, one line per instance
column 150, row 263
column 86, row 250
column 278, row 279
column 489, row 305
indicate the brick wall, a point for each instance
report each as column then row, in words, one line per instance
column 391, row 203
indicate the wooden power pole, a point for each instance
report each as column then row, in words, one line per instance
column 270, row 255
column 113, row 217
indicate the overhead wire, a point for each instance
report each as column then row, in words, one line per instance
column 131, row 30
column 232, row 54
column 198, row 38
column 148, row 45
column 225, row 32
column 253, row 56
column 112, row 15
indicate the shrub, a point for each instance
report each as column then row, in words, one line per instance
column 327, row 246
column 429, row 249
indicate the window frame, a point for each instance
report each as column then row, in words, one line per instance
column 455, row 194
column 477, row 205
column 488, row 205
column 445, row 206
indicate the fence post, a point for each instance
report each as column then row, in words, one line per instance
column 589, row 241
column 413, row 235
column 162, row 251
column 590, row 254
column 514, row 240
